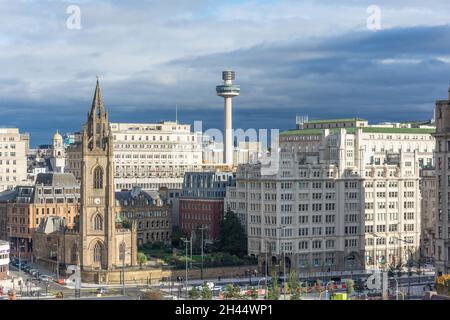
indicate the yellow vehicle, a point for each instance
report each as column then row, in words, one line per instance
column 339, row 296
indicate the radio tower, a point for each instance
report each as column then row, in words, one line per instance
column 228, row 90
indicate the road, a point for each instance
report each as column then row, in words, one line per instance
column 177, row 290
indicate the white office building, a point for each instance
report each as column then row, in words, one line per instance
column 345, row 196
column 13, row 158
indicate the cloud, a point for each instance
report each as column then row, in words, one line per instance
column 305, row 57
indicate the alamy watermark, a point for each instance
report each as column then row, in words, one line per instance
column 373, row 22
column 73, row 22
column 269, row 153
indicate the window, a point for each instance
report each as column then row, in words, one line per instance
column 98, row 252
column 98, row 178
column 98, row 222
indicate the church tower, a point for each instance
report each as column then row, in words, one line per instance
column 103, row 244
column 58, row 159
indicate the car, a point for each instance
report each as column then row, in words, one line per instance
column 101, row 290
column 33, row 271
column 45, row 278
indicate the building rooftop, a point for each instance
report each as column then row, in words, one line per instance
column 150, row 196
column 364, row 129
column 51, row 224
column 56, row 179
column 8, row 195
column 335, row 120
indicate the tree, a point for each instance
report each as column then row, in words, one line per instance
column 232, row 292
column 206, row 292
column 294, row 286
column 194, row 294
column 142, row 258
column 349, row 286
column 177, row 234
column 274, row 291
column 232, row 236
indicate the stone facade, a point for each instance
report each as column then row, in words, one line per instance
column 442, row 164
column 25, row 207
column 428, row 217
column 340, row 197
column 104, row 243
column 150, row 211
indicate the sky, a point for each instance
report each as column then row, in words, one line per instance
column 291, row 57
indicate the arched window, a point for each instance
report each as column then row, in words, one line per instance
column 122, row 249
column 98, row 178
column 98, row 252
column 74, row 252
column 98, row 222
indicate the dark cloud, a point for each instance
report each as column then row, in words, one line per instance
column 389, row 75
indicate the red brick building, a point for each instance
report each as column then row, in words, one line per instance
column 202, row 202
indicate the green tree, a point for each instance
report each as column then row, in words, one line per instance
column 177, row 234
column 232, row 237
column 274, row 290
column 206, row 292
column 232, row 292
column 194, row 294
column 349, row 284
column 294, row 286
column 142, row 258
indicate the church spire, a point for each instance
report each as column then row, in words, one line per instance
column 97, row 101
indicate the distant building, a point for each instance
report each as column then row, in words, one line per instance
column 344, row 195
column 148, row 155
column 4, row 260
column 442, row 161
column 151, row 212
column 428, row 214
column 201, row 204
column 58, row 158
column 55, row 243
column 25, row 207
column 13, row 158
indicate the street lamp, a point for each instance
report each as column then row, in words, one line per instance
column 284, row 260
column 266, row 267
column 410, row 255
column 122, row 255
column 186, row 241
column 57, row 259
column 375, row 258
column 201, row 270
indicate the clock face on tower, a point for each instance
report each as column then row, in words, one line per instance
column 97, row 201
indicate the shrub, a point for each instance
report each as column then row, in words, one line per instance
column 152, row 295
column 443, row 284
